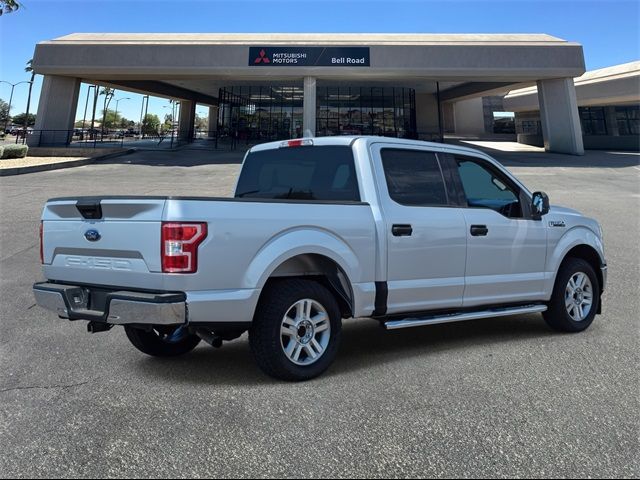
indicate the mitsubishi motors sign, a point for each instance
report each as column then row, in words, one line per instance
column 309, row 56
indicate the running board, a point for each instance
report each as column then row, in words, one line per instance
column 461, row 317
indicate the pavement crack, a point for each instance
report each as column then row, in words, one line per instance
column 18, row 253
column 31, row 306
column 46, row 387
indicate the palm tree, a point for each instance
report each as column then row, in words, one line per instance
column 108, row 95
column 29, row 69
column 8, row 6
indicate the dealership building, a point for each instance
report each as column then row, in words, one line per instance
column 608, row 107
column 271, row 86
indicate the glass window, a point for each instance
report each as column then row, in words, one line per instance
column 486, row 188
column 531, row 127
column 628, row 119
column 302, row 173
column 593, row 121
column 365, row 110
column 413, row 177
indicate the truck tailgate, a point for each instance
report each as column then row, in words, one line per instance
column 106, row 241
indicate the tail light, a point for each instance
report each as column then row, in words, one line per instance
column 41, row 242
column 180, row 243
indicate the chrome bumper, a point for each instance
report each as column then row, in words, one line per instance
column 111, row 307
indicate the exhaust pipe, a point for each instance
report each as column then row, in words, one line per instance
column 209, row 337
column 97, row 327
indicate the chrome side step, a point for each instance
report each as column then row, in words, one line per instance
column 461, row 317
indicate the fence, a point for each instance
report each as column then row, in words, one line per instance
column 219, row 140
column 97, row 139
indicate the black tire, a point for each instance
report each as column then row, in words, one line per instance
column 557, row 316
column 161, row 342
column 265, row 337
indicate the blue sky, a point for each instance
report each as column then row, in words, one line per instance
column 608, row 29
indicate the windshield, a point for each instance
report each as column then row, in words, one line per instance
column 300, row 173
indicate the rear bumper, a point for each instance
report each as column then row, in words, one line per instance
column 111, row 307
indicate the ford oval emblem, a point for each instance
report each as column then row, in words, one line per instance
column 92, row 235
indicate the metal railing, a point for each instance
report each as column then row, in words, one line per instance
column 228, row 140
column 95, row 139
column 218, row 140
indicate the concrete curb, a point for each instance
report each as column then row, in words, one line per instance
column 60, row 165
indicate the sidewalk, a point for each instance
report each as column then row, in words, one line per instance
column 19, row 166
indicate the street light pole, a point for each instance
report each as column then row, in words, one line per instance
column 86, row 104
column 13, row 85
column 93, row 115
column 146, row 97
column 124, row 98
column 116, row 117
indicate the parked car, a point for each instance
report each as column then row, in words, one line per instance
column 320, row 230
column 21, row 132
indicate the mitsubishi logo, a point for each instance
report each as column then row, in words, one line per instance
column 262, row 58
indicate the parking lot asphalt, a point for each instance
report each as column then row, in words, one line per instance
column 489, row 398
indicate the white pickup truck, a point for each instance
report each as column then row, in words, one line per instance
column 321, row 229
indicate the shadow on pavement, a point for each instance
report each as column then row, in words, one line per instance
column 183, row 157
column 364, row 345
column 196, row 155
column 591, row 158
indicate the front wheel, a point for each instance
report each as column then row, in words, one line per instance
column 575, row 299
column 162, row 341
column 296, row 330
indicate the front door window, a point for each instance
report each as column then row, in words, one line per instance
column 487, row 188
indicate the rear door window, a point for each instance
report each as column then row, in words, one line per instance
column 325, row 173
column 414, row 177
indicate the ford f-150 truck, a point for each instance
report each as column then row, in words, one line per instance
column 320, row 230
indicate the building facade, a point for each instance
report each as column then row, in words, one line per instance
column 608, row 107
column 268, row 86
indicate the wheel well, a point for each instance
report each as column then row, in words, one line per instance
column 323, row 270
column 589, row 254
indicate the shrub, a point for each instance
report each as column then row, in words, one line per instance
column 1, row 150
column 14, row 151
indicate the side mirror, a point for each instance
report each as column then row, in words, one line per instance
column 539, row 204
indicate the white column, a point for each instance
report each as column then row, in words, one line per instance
column 309, row 107
column 561, row 129
column 56, row 111
column 187, row 120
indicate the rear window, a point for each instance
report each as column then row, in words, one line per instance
column 300, row 173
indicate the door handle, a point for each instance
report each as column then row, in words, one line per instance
column 402, row 230
column 479, row 230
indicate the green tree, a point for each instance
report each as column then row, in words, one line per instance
column 168, row 122
column 8, row 6
column 202, row 123
column 108, row 96
column 4, row 112
column 21, row 119
column 150, row 124
column 111, row 120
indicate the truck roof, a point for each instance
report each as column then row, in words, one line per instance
column 347, row 140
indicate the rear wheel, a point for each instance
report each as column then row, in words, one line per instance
column 296, row 330
column 575, row 299
column 162, row 341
